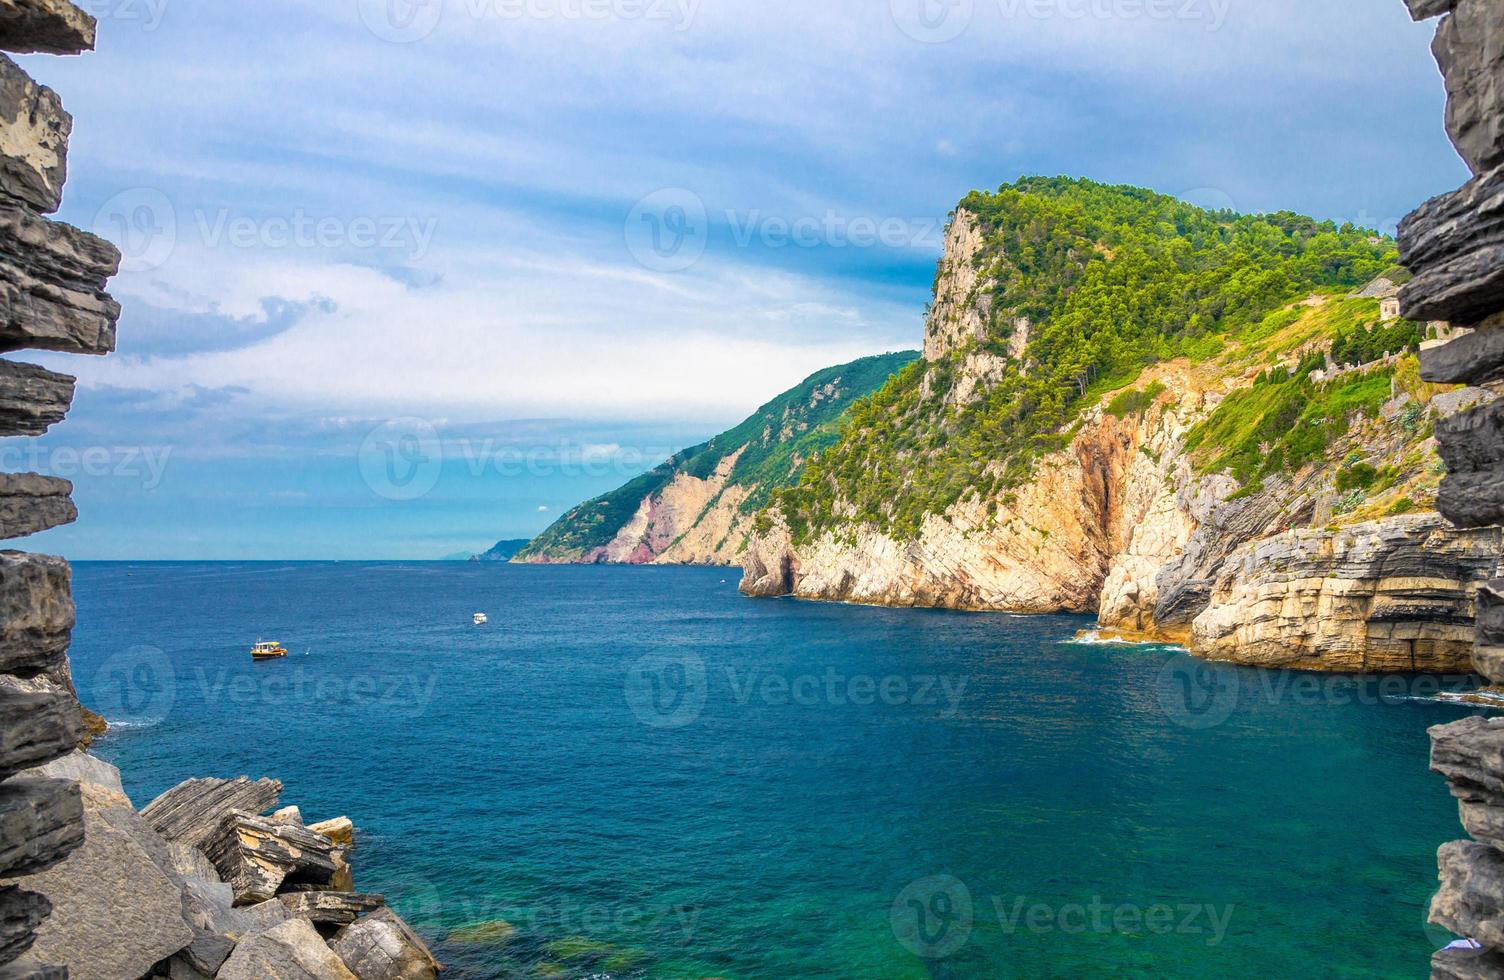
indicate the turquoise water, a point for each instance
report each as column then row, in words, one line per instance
column 644, row 774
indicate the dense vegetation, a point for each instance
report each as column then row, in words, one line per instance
column 1114, row 279
column 779, row 437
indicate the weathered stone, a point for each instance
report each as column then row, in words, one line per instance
column 1473, row 499
column 27, row 969
column 20, row 914
column 80, row 767
column 30, row 503
column 291, row 951
column 331, row 908
column 1467, row 964
column 1472, row 439
column 1472, row 359
column 1469, row 48
column 190, row 862
column 1389, row 595
column 33, row 140
column 116, row 911
column 41, row 823
column 52, row 279
column 383, row 947
column 36, row 613
column 45, row 27
column 1452, row 243
column 1426, row 9
column 288, row 814
column 38, row 723
column 193, row 811
column 32, row 399
column 1483, row 821
column 339, row 830
column 1470, row 754
column 256, row 856
column 1470, row 902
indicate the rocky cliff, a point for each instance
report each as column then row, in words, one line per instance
column 1272, row 462
column 198, row 884
column 1455, row 246
column 698, row 507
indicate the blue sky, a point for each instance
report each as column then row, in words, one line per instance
column 404, row 277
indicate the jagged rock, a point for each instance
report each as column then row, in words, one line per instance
column 256, row 856
column 331, row 908
column 41, row 823
column 190, row 862
column 26, row 969
column 36, row 613
column 32, row 398
column 30, row 503
column 1470, row 754
column 1467, row 964
column 1471, row 900
column 116, row 910
column 1473, row 499
column 342, row 879
column 339, row 830
column 1483, row 821
column 193, row 811
column 20, row 913
column 1472, row 359
column 1469, row 48
column 1389, row 595
column 52, row 279
column 38, row 723
column 45, row 27
column 1472, row 439
column 33, row 140
column 288, row 814
column 1452, row 244
column 383, row 947
column 1426, row 9
column 1488, row 653
column 291, row 951
column 80, row 767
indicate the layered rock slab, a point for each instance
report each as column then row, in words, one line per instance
column 193, row 811
column 45, row 27
column 32, row 399
column 34, row 132
column 52, row 279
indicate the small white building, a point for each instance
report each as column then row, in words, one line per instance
column 1389, row 309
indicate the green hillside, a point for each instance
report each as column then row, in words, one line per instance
column 778, row 439
column 1114, row 279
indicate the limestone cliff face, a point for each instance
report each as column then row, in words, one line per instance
column 1128, row 522
column 1050, row 546
column 699, row 507
column 1390, row 595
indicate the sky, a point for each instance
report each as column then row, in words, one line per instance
column 403, row 278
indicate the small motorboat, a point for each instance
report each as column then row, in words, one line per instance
column 268, row 650
column 480, row 619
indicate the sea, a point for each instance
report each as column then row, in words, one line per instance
column 638, row 772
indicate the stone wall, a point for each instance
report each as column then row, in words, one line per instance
column 52, row 279
column 1454, row 245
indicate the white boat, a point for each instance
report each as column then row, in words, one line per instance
column 480, row 619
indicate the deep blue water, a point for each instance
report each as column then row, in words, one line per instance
column 645, row 774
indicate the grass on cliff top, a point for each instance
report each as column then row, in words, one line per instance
column 779, row 437
column 1114, row 279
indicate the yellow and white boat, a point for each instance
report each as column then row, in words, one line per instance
column 267, row 650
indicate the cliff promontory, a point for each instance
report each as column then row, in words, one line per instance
column 1202, row 426
column 697, row 508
